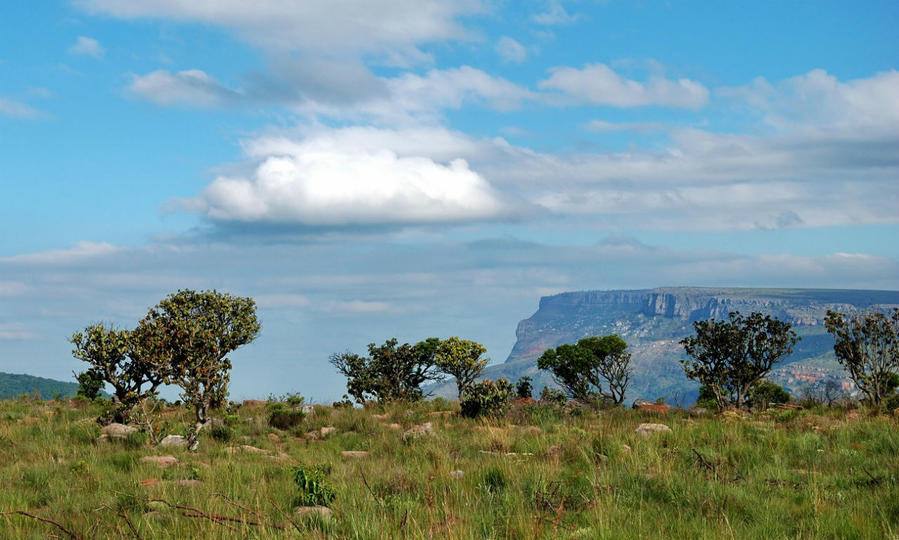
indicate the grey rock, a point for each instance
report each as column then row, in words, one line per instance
column 648, row 429
column 117, row 431
column 173, row 441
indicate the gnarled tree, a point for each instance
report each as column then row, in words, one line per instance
column 731, row 356
column 389, row 372
column 593, row 366
column 462, row 359
column 867, row 345
column 189, row 335
column 112, row 358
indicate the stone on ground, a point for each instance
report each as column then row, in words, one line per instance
column 117, row 431
column 174, row 441
column 648, row 429
column 162, row 461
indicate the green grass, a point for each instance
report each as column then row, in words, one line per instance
column 536, row 473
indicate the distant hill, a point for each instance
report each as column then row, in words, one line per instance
column 652, row 321
column 13, row 386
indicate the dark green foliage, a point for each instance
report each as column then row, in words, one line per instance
column 221, row 433
column 90, row 382
column 523, row 388
column 867, row 346
column 283, row 417
column 313, row 486
column 587, row 367
column 112, row 355
column 767, row 393
column 389, row 372
column 706, row 398
column 13, row 386
column 344, row 403
column 731, row 356
column 891, row 403
column 486, row 398
column 462, row 359
column 494, row 480
column 553, row 396
column 187, row 337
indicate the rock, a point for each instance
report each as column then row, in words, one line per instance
column 117, row 431
column 442, row 414
column 162, row 461
column 354, row 454
column 699, row 411
column 646, row 405
column 273, row 437
column 188, row 482
column 252, row 403
column 174, row 441
column 380, row 417
column 457, row 474
column 313, row 435
column 395, row 426
column 626, row 449
column 419, row 430
column 327, row 430
column 304, row 511
column 245, row 448
column 648, row 429
column 734, row 415
column 602, row 458
column 554, row 451
column 308, row 410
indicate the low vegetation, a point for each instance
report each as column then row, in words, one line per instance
column 422, row 470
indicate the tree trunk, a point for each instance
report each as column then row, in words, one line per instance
column 193, row 442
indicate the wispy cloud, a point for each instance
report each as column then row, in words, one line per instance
column 14, row 109
column 80, row 252
column 88, row 47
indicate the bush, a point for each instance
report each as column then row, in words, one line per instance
column 281, row 417
column 553, row 396
column 523, row 388
column 90, row 383
column 891, row 403
column 221, row 433
column 313, row 485
column 486, row 398
column 767, row 393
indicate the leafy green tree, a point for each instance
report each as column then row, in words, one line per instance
column 867, row 346
column 486, row 398
column 462, row 359
column 731, row 356
column 389, row 372
column 583, row 369
column 113, row 358
column 524, row 388
column 188, row 336
column 90, row 382
column 767, row 393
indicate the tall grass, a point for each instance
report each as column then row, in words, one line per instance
column 538, row 472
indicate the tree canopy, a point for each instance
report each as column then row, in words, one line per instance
column 390, row 371
column 731, row 356
column 462, row 359
column 593, row 366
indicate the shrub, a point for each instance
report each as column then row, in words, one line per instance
column 281, row 417
column 231, row 419
column 524, row 388
column 90, row 383
column 767, row 393
column 313, row 486
column 553, row 396
column 221, row 433
column 486, row 398
column 891, row 403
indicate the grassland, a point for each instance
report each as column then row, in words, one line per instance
column 538, row 472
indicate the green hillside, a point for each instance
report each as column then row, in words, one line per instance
column 12, row 386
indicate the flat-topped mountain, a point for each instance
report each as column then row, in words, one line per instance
column 652, row 321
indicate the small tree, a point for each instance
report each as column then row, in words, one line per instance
column 189, row 335
column 90, row 382
column 389, row 372
column 461, row 358
column 486, row 398
column 867, row 346
column 767, row 393
column 524, row 388
column 731, row 356
column 112, row 357
column 581, row 369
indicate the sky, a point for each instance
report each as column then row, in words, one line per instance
column 414, row 168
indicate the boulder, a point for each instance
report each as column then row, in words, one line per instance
column 174, row 441
column 457, row 475
column 626, row 449
column 354, row 454
column 308, row 410
column 395, row 426
column 162, row 461
column 418, row 431
column 273, row 437
column 648, row 429
column 699, row 411
column 327, row 430
column 303, row 511
column 117, row 431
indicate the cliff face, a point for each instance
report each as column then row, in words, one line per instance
column 652, row 321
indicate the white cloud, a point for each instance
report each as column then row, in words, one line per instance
column 15, row 331
column 190, row 87
column 510, row 50
column 87, row 46
column 322, row 181
column 601, row 126
column 598, row 84
column 14, row 109
column 13, row 288
column 555, row 14
column 80, row 252
column 391, row 28
column 358, row 306
column 281, row 300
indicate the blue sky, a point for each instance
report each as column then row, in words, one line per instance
column 413, row 168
